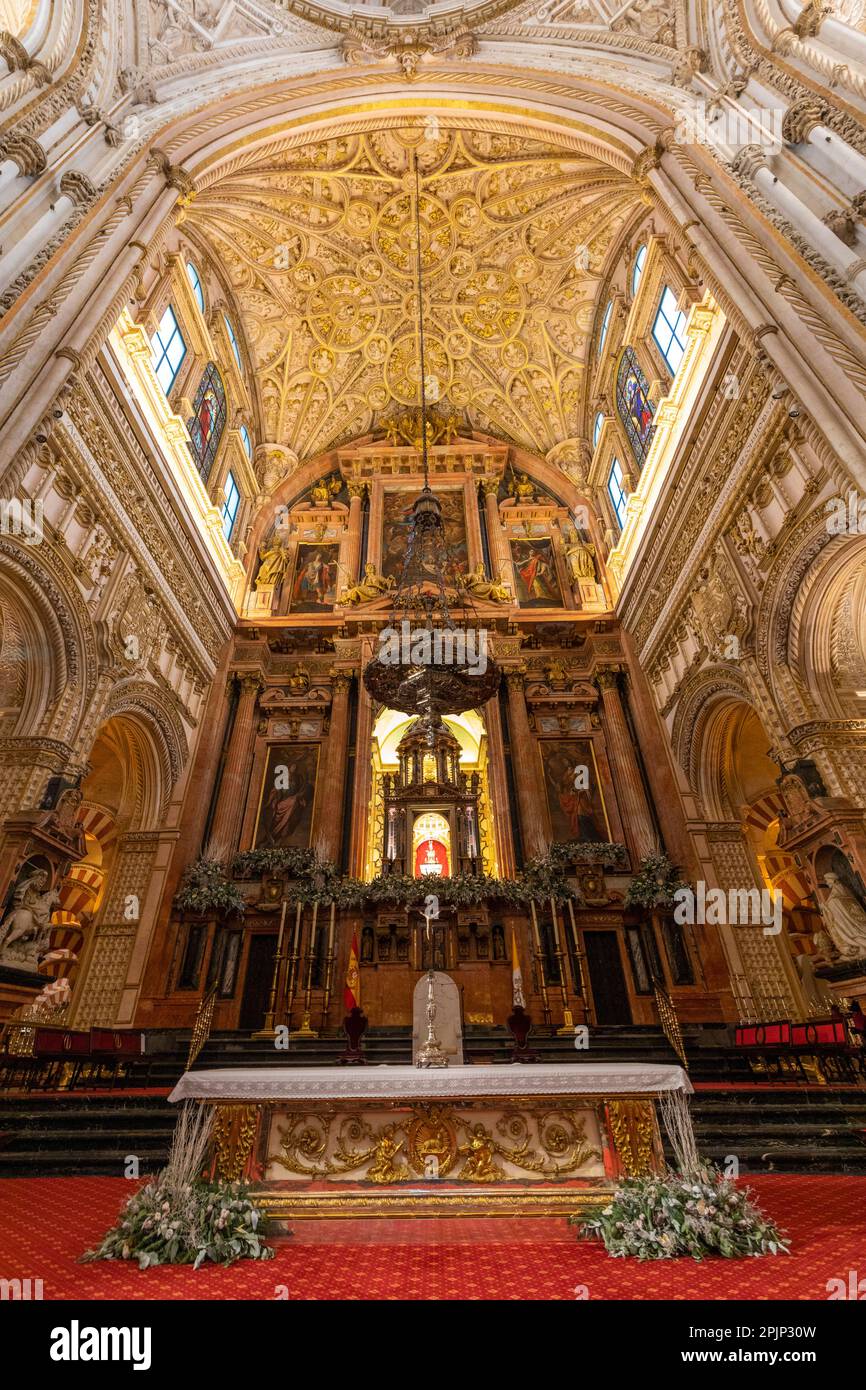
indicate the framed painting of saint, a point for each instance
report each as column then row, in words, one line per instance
column 535, row 576
column 288, row 796
column 633, row 405
column 574, row 796
column 396, row 510
column 314, row 583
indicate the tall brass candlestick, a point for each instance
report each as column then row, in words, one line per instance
column 583, row 988
column 293, row 965
column 268, row 1025
column 540, row 960
column 305, row 1031
column 567, row 1020
column 329, row 966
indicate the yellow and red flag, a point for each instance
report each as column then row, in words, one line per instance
column 352, row 992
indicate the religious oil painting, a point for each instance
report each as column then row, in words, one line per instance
column 288, row 796
column 573, row 787
column 314, row 584
column 535, row 574
column 396, row 514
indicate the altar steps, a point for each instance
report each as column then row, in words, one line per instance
column 769, row 1129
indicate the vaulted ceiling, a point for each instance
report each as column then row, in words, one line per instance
column 318, row 245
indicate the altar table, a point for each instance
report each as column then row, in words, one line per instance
column 401, row 1140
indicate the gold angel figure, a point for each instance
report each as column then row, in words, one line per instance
column 372, row 586
column 273, row 563
column 477, row 584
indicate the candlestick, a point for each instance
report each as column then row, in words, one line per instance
column 431, row 1054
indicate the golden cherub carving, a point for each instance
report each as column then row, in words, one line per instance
column 372, row 586
column 478, row 1152
column 383, row 1168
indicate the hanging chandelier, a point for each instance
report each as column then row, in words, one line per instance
column 434, row 658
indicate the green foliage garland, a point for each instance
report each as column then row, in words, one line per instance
column 205, row 888
column 655, row 883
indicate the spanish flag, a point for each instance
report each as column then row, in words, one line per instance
column 352, row 992
column 517, row 999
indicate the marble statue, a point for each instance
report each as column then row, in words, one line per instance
column 372, row 586
column 844, row 919
column 29, row 919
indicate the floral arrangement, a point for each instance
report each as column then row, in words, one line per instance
column 661, row 1216
column 655, row 883
column 178, row 1218
column 205, row 888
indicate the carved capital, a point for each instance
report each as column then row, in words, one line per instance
column 250, row 684
column 607, row 678
column 78, row 187
column 749, row 160
column 356, row 488
column 490, row 486
column 24, row 151
column 175, row 176
column 801, row 117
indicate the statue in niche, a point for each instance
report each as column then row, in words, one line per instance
column 29, row 921
column 477, row 584
column 273, row 563
column 580, row 556
column 498, row 943
column 521, row 489
column 844, row 919
column 372, row 586
column 367, row 946
column 322, row 491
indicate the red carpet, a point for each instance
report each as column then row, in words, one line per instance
column 47, row 1222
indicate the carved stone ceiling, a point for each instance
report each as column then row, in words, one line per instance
column 318, row 244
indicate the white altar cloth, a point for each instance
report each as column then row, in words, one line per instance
column 390, row 1083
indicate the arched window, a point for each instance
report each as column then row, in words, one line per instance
column 234, row 342
column 637, row 272
column 596, row 429
column 616, row 492
column 168, row 350
column 247, row 442
column 209, row 417
column 195, row 281
column 230, row 506
column 605, row 325
column 633, row 405
column 669, row 330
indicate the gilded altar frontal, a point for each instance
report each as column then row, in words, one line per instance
column 433, row 591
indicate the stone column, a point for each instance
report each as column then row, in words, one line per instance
column 353, row 536
column 640, row 832
column 332, row 773
column 498, row 790
column 500, row 559
column 752, row 161
column 803, row 124
column 524, row 760
column 363, row 784
column 226, row 827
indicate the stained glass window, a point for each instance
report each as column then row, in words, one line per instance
column 633, row 405
column 195, row 281
column 209, row 417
